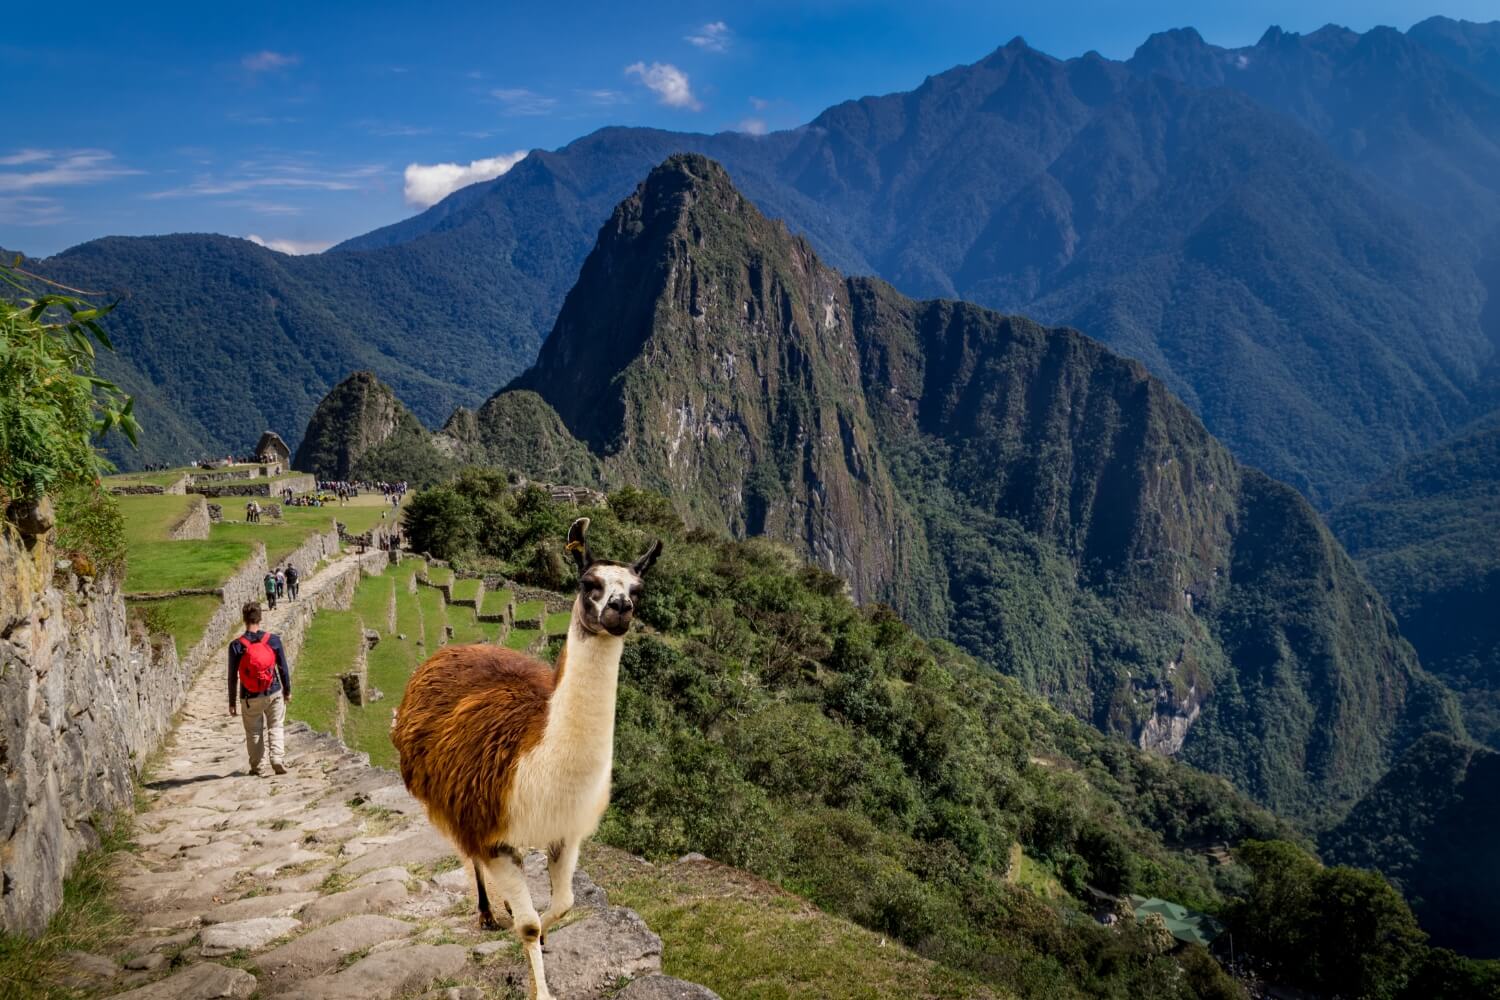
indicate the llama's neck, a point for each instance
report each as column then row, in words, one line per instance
column 581, row 716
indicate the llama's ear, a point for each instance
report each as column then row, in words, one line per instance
column 578, row 544
column 645, row 562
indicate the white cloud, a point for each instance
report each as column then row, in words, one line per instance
column 753, row 126
column 266, row 60
column 260, row 207
column 520, row 101
column 58, row 168
column 669, row 83
column 293, row 247
column 712, row 37
column 759, row 103
column 427, row 184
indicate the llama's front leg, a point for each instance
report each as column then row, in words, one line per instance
column 562, row 859
column 506, row 867
column 486, row 915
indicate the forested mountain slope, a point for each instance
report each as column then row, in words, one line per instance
column 1427, row 534
column 1048, row 505
column 1312, row 308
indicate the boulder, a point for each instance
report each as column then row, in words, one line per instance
column 586, row 958
column 322, row 949
column 222, row 939
column 374, row 898
column 386, row 974
column 280, row 904
column 664, row 988
column 204, row 981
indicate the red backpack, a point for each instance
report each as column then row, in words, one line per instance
column 257, row 663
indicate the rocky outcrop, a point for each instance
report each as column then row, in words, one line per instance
column 83, row 701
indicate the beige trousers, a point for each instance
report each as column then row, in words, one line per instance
column 264, row 717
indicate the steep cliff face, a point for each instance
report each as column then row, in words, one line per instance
column 82, row 703
column 707, row 353
column 1045, row 504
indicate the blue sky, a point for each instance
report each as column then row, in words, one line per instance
column 306, row 123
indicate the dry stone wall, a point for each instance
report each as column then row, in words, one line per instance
column 194, row 524
column 83, row 702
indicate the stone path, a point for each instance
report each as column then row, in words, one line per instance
column 325, row 883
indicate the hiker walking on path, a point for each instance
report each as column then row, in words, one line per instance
column 260, row 685
column 270, row 582
column 280, row 583
column 291, row 582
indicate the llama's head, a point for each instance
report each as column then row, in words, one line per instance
column 608, row 592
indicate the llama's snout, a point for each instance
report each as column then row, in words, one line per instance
column 615, row 617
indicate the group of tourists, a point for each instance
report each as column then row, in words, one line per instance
column 252, row 512
column 281, row 583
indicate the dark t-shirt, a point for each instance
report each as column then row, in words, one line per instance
column 281, row 682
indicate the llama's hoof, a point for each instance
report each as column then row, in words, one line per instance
column 487, row 922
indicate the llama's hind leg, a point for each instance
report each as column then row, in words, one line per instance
column 508, row 876
column 486, row 915
column 562, row 859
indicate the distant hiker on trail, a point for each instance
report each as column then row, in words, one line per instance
column 292, row 579
column 270, row 583
column 252, row 512
column 260, row 685
column 280, row 582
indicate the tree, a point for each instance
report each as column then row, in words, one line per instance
column 52, row 405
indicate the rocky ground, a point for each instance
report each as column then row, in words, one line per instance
column 328, row 882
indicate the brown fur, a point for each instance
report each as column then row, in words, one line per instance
column 469, row 714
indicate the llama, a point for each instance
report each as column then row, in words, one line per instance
column 507, row 753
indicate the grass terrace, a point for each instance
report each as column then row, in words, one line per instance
column 329, row 649
column 557, row 623
column 466, row 590
column 163, row 479
column 184, row 618
column 183, row 565
column 148, row 517
column 530, row 612
column 729, row 930
column 522, row 638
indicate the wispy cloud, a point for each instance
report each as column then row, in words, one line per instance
column 44, row 168
column 753, row 126
column 274, row 175
column 668, row 83
column 605, row 96
column 712, row 37
column 260, row 207
column 520, row 101
column 266, row 61
column 31, row 210
column 759, row 103
column 429, row 183
column 386, row 130
column 293, row 247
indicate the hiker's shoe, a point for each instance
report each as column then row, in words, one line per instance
column 278, row 767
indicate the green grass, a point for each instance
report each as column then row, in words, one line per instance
column 529, row 611
column 466, row 590
column 433, row 618
column 521, row 638
column 744, row 938
column 496, row 600
column 439, row 575
column 328, row 650
column 184, row 618
column 465, row 627
column 88, row 920
column 281, row 540
column 157, row 566
column 166, row 478
column 149, row 517
column 557, row 623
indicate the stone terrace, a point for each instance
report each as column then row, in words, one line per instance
column 328, row 882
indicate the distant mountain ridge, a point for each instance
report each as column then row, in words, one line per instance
column 1046, row 504
column 1302, row 290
